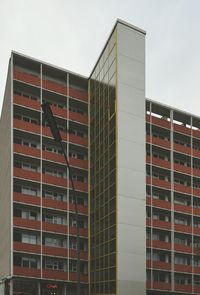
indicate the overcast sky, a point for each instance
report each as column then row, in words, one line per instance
column 71, row 34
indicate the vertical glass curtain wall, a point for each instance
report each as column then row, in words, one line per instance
column 102, row 89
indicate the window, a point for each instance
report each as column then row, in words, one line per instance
column 72, row 266
column 29, row 262
column 30, row 167
column 55, row 196
column 29, row 239
column 181, row 220
column 72, row 243
column 181, row 260
column 29, row 215
column 54, row 264
column 79, row 178
column 29, row 191
column 54, row 219
column 54, row 242
column 53, row 172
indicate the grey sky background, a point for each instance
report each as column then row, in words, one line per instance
column 72, row 33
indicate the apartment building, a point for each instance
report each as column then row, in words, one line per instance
column 136, row 169
column 38, row 221
column 172, row 200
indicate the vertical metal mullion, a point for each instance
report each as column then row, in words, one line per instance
column 41, row 167
column 192, row 201
column 95, row 218
column 172, row 196
column 67, row 174
column 151, row 195
column 12, row 175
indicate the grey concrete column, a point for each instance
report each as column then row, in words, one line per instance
column 39, row 288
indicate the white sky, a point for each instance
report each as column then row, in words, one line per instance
column 71, row 34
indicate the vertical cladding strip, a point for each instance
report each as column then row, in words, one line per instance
column 41, row 180
column 89, row 186
column 131, row 165
column 172, row 195
column 101, row 91
column 151, row 194
column 12, row 163
column 116, row 163
column 6, row 172
column 68, row 77
column 192, row 206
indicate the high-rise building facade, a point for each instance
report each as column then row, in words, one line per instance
column 135, row 165
column 38, row 221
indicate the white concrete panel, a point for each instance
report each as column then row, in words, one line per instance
column 130, row 155
column 131, row 128
column 131, row 288
column 131, row 267
column 131, row 72
column 131, row 212
column 131, row 43
column 131, row 238
column 131, row 183
column 131, row 100
column 131, row 215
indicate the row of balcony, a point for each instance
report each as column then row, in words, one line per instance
column 168, row 287
column 34, row 128
column 48, row 250
column 157, row 244
column 49, row 179
column 46, row 155
column 175, row 186
column 168, row 226
column 48, row 227
column 48, row 203
column 176, row 147
column 168, row 205
column 177, row 128
column 50, row 85
column 48, row 274
column 168, row 165
column 63, row 113
column 160, row 265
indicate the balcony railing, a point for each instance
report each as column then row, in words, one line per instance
column 67, row 137
column 158, row 182
column 26, row 272
column 158, row 223
column 49, row 179
column 25, row 126
column 64, row 229
column 183, row 268
column 50, row 85
column 27, row 223
column 182, row 248
column 83, row 164
column 27, row 102
column 159, row 203
column 26, row 77
column 22, row 198
column 159, row 265
column 24, row 247
column 183, row 228
column 159, row 244
column 58, row 251
column 26, row 174
column 183, row 288
column 158, row 285
column 49, row 203
column 25, row 150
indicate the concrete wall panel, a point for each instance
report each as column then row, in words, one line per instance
column 5, row 182
column 131, row 215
